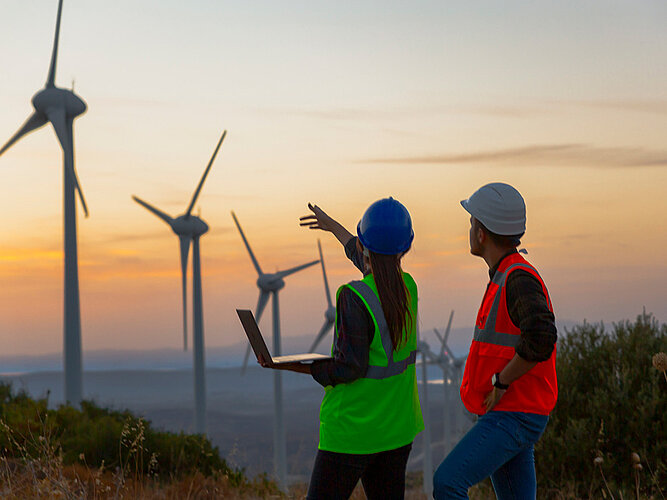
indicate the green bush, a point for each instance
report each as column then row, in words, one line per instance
column 611, row 402
column 100, row 437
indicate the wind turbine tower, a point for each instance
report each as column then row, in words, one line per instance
column 270, row 284
column 60, row 107
column 189, row 228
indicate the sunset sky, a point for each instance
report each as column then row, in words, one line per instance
column 337, row 103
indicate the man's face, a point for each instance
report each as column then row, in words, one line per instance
column 475, row 237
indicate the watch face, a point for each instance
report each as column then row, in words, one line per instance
column 496, row 382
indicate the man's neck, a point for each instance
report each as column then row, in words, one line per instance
column 493, row 254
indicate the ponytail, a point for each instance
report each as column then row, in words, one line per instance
column 394, row 296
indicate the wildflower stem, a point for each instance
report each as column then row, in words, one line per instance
column 606, row 484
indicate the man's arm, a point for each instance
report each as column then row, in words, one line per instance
column 516, row 368
column 529, row 311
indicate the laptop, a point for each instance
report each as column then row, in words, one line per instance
column 259, row 346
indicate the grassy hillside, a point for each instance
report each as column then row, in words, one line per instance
column 99, row 453
column 607, row 437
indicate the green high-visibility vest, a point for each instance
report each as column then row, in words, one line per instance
column 379, row 411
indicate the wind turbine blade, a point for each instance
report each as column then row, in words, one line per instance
column 70, row 126
column 323, row 331
column 33, row 122
column 185, row 250
column 282, row 274
column 449, row 325
column 327, row 291
column 157, row 212
column 443, row 346
column 64, row 131
column 252, row 255
column 203, row 178
column 50, row 80
column 261, row 304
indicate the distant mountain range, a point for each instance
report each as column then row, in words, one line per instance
column 176, row 359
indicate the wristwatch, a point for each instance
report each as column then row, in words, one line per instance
column 495, row 380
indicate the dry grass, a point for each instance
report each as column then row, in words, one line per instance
column 36, row 470
column 20, row 480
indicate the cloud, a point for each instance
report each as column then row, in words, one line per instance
column 132, row 102
column 130, row 237
column 30, row 254
column 567, row 155
column 355, row 114
column 639, row 106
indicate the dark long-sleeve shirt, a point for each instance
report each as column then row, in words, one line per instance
column 528, row 310
column 526, row 304
column 355, row 329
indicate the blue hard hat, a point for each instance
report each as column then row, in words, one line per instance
column 386, row 227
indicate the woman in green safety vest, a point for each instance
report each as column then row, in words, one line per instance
column 370, row 413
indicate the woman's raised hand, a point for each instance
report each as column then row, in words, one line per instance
column 320, row 220
column 317, row 220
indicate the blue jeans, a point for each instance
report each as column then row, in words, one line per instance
column 500, row 445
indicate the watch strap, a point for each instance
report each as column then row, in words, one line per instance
column 496, row 382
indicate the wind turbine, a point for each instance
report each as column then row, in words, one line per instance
column 189, row 228
column 60, row 107
column 427, row 462
column 271, row 284
column 451, row 368
column 330, row 313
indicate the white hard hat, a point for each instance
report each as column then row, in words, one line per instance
column 499, row 207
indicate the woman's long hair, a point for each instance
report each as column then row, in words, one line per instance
column 394, row 295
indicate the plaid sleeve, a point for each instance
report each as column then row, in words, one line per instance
column 352, row 344
column 354, row 254
column 528, row 310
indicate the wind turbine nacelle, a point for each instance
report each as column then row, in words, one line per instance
column 270, row 283
column 330, row 314
column 54, row 98
column 191, row 225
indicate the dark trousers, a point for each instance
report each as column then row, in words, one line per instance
column 382, row 474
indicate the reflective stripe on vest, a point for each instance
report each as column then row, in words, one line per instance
column 393, row 367
column 488, row 334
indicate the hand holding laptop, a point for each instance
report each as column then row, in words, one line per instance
column 293, row 367
column 296, row 362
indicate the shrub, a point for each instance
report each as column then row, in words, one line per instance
column 100, row 437
column 611, row 403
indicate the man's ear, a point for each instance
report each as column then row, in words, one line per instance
column 480, row 235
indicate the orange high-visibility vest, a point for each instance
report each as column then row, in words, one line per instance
column 493, row 346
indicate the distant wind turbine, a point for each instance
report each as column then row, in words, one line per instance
column 427, row 462
column 330, row 313
column 60, row 107
column 189, row 228
column 451, row 372
column 271, row 284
